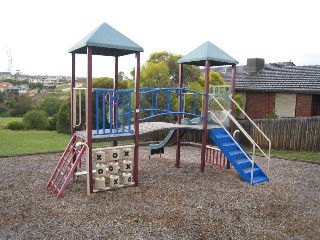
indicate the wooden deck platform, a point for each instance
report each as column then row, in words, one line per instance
column 146, row 127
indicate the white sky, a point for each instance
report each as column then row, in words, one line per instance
column 40, row 32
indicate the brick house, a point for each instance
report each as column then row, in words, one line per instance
column 287, row 89
column 5, row 85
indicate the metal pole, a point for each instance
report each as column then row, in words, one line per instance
column 89, row 115
column 205, row 114
column 136, row 121
column 115, row 87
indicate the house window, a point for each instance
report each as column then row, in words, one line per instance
column 285, row 104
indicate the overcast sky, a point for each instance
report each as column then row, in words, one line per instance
column 39, row 33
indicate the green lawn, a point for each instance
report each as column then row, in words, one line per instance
column 307, row 156
column 33, row 141
column 5, row 120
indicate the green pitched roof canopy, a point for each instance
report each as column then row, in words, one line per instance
column 106, row 41
column 208, row 51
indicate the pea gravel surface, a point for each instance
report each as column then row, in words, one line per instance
column 169, row 203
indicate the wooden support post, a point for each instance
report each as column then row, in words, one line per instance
column 89, row 115
column 73, row 84
column 136, row 121
column 205, row 114
column 180, row 100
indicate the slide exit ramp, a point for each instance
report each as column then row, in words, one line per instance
column 170, row 139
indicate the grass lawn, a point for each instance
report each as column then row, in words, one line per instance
column 307, row 156
column 5, row 120
column 33, row 141
column 36, row 141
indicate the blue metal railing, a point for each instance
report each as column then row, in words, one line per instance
column 114, row 114
column 113, row 111
column 150, row 107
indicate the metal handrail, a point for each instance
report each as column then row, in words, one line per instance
column 79, row 107
column 254, row 144
column 245, row 133
column 250, row 120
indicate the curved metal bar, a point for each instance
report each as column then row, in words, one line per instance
column 255, row 125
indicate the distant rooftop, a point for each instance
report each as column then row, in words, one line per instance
column 276, row 77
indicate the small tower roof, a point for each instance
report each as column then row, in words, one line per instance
column 208, row 51
column 107, row 41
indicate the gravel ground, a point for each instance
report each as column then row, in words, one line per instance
column 169, row 203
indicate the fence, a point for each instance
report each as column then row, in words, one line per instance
column 291, row 134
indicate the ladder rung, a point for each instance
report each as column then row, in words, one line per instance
column 68, row 161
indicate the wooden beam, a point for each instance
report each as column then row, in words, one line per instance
column 205, row 114
column 136, row 121
column 180, row 100
column 89, row 114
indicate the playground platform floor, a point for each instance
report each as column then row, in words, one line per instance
column 169, row 203
column 145, row 127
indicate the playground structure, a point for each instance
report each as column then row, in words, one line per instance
column 120, row 115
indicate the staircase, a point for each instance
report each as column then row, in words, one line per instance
column 237, row 156
column 70, row 159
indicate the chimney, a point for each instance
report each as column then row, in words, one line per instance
column 255, row 65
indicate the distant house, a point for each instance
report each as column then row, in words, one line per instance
column 5, row 75
column 50, row 81
column 5, row 85
column 16, row 90
column 283, row 88
column 35, row 79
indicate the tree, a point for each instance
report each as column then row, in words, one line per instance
column 190, row 73
column 122, row 76
column 214, row 79
column 155, row 75
column 102, row 82
column 19, row 105
column 50, row 104
column 37, row 85
column 36, row 119
column 1, row 97
column 189, row 98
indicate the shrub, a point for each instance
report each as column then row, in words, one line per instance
column 238, row 98
column 63, row 118
column 36, row 119
column 271, row 115
column 15, row 125
column 52, row 123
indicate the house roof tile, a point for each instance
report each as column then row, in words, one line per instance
column 276, row 77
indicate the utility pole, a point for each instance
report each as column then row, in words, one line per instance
column 9, row 56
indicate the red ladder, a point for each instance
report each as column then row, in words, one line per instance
column 215, row 157
column 67, row 165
